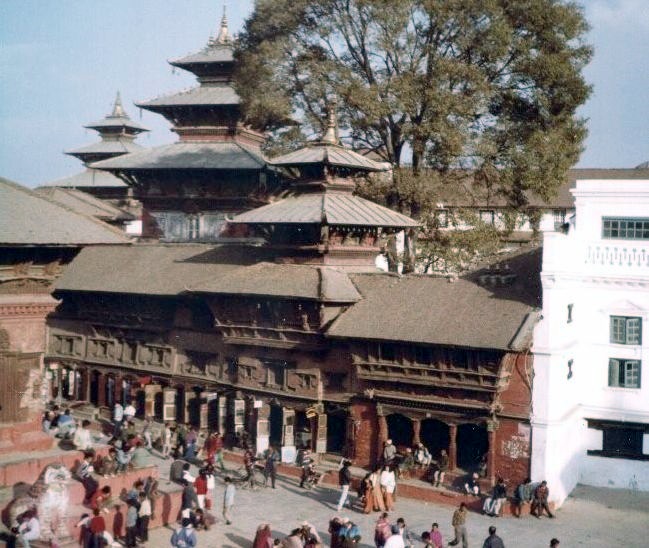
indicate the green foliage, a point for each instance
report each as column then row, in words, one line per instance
column 486, row 86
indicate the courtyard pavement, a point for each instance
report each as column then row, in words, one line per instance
column 591, row 517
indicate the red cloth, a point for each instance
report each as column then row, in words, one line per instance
column 97, row 499
column 97, row 525
column 200, row 484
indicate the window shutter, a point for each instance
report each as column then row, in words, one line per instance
column 613, row 372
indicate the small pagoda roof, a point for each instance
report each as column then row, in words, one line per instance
column 189, row 155
column 332, row 207
column 84, row 203
column 328, row 154
column 215, row 94
column 89, row 178
column 116, row 146
column 28, row 219
column 117, row 119
column 218, row 50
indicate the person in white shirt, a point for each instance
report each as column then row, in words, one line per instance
column 82, row 438
column 388, row 482
column 29, row 529
column 395, row 540
column 167, row 437
column 129, row 412
column 143, row 517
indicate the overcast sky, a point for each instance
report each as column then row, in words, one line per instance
column 62, row 61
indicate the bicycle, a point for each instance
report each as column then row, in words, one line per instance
column 244, row 479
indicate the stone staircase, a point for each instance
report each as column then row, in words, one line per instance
column 23, row 437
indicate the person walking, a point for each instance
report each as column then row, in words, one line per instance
column 493, row 540
column 263, row 537
column 270, row 466
column 228, row 499
column 189, row 499
column 388, row 483
column 349, row 534
column 382, row 530
column 541, row 500
column 143, row 517
column 200, row 484
column 167, row 437
column 184, row 536
column 146, row 434
column 377, row 495
column 344, row 480
column 395, row 540
column 367, row 493
column 131, row 524
column 459, row 525
column 129, row 411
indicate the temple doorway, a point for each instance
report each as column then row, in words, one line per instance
column 194, row 406
column 434, row 434
column 472, row 444
column 276, row 425
column 400, row 430
column 336, row 431
column 94, row 387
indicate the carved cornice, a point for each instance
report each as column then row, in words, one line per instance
column 23, row 310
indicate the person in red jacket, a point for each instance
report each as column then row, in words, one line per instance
column 200, row 485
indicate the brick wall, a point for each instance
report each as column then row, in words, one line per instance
column 365, row 430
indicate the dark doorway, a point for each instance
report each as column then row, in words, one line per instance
column 472, row 444
column 336, row 431
column 140, row 403
column 434, row 434
column 400, row 430
column 194, row 407
column 110, row 391
column 303, row 434
column 158, row 405
column 126, row 391
column 94, row 387
column 276, row 425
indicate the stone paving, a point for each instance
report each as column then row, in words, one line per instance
column 591, row 517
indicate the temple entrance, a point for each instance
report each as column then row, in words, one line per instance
column 336, row 431
column 276, row 425
column 472, row 444
column 434, row 434
column 303, row 434
column 180, row 404
column 110, row 391
column 400, row 430
column 94, row 387
column 194, row 407
column 158, row 405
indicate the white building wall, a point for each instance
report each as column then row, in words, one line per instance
column 600, row 278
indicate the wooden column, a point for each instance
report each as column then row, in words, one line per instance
column 101, row 390
column 416, row 429
column 452, row 447
column 491, row 458
column 382, row 431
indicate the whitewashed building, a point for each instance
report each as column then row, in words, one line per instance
column 590, row 421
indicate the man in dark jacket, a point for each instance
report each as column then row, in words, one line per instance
column 541, row 495
column 493, row 540
column 189, row 499
column 344, row 480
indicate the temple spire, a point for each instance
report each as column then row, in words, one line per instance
column 118, row 109
column 331, row 135
column 223, row 36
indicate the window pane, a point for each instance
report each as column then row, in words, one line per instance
column 613, row 372
column 625, row 228
column 633, row 329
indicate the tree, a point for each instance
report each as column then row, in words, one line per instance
column 485, row 86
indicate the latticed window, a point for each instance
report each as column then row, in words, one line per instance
column 624, row 373
column 487, row 216
column 626, row 330
column 193, row 232
column 441, row 218
column 625, row 228
column 559, row 216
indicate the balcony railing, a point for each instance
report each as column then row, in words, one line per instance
column 630, row 256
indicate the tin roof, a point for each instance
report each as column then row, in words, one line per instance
column 212, row 94
column 27, row 218
column 84, row 203
column 186, row 155
column 334, row 207
column 330, row 155
column 117, row 119
column 117, row 146
column 89, row 178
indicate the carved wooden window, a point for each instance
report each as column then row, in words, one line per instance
column 67, row 345
column 232, row 365
column 334, row 381
column 276, row 372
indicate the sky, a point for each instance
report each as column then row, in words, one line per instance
column 62, row 62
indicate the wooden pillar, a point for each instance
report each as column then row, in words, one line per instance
column 491, row 458
column 101, row 390
column 118, row 388
column 382, row 433
column 416, row 429
column 85, row 384
column 452, row 447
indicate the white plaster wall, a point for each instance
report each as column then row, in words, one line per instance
column 616, row 473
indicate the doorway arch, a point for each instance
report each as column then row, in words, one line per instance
column 400, row 429
column 434, row 434
column 472, row 444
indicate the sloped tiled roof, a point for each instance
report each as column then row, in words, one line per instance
column 84, row 203
column 328, row 154
column 431, row 310
column 26, row 218
column 214, row 53
column 185, row 155
column 89, row 178
column 221, row 94
column 280, row 280
column 338, row 208
column 117, row 146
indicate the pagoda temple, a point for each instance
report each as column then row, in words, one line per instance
column 216, row 167
column 118, row 133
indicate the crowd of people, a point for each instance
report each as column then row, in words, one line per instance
column 130, row 446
